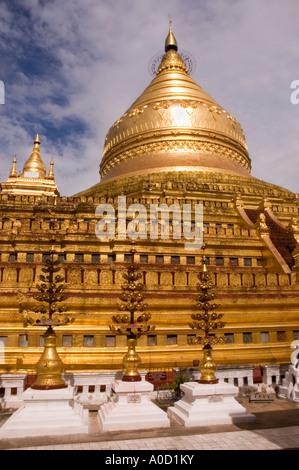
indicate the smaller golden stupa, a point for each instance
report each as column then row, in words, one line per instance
column 34, row 179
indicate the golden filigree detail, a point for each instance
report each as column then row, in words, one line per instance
column 215, row 109
column 191, row 104
column 262, row 223
column 172, row 60
column 166, row 120
column 162, row 105
column 116, row 124
column 136, row 112
column 176, row 145
column 294, row 225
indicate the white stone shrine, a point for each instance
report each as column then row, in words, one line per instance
column 289, row 389
column 10, row 383
column 46, row 413
column 131, row 408
column 209, row 405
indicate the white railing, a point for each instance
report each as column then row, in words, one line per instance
column 240, row 376
column 94, row 388
column 94, row 382
column 12, row 385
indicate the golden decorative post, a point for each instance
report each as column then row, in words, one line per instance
column 132, row 302
column 49, row 367
column 207, row 322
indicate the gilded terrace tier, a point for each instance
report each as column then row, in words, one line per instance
column 257, row 294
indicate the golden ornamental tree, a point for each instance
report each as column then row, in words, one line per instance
column 47, row 313
column 133, row 324
column 207, row 321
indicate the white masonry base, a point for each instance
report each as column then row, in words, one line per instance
column 131, row 409
column 46, row 413
column 209, row 405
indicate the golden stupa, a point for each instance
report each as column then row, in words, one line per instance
column 174, row 145
column 34, row 178
column 174, row 124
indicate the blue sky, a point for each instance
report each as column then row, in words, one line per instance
column 71, row 68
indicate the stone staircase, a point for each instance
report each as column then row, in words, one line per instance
column 283, row 241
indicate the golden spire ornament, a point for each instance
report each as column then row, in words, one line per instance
column 50, row 367
column 133, row 324
column 206, row 321
column 13, row 172
column 51, row 171
column 170, row 42
column 35, row 164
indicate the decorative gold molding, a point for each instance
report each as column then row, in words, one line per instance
column 175, row 146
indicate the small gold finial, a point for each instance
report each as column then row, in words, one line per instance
column 37, row 139
column 35, row 163
column 13, row 172
column 204, row 259
column 170, row 42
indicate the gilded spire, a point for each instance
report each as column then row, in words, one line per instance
column 204, row 259
column 172, row 59
column 13, row 173
column 51, row 171
column 170, row 42
column 37, row 140
column 35, row 164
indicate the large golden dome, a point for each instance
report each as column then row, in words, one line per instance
column 174, row 125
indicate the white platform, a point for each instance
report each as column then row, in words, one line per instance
column 131, row 409
column 46, row 413
column 209, row 405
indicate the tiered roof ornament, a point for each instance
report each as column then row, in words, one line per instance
column 170, row 42
column 134, row 323
column 34, row 179
column 207, row 321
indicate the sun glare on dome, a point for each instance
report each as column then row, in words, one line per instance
column 180, row 115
